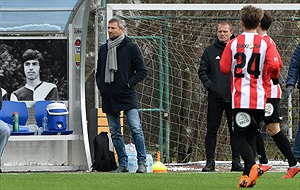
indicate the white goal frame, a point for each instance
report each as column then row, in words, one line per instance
column 110, row 8
column 195, row 7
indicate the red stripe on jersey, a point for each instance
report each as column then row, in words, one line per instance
column 238, row 80
column 268, row 90
column 253, row 80
column 278, row 91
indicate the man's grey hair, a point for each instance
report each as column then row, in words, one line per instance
column 120, row 22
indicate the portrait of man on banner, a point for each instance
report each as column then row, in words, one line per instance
column 34, row 69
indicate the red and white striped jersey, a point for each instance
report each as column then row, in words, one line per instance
column 252, row 62
column 274, row 91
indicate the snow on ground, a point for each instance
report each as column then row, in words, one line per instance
column 221, row 166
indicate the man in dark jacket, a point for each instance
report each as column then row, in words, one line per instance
column 219, row 97
column 121, row 67
column 292, row 78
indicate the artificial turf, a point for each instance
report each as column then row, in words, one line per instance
column 124, row 181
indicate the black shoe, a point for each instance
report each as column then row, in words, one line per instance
column 209, row 167
column 236, row 166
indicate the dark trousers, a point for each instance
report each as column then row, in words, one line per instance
column 245, row 136
column 214, row 116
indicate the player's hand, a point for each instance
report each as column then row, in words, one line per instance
column 275, row 81
column 288, row 91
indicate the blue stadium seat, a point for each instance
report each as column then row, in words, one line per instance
column 9, row 107
column 40, row 110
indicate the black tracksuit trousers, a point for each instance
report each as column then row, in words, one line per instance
column 214, row 116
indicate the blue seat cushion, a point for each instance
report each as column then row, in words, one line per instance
column 9, row 107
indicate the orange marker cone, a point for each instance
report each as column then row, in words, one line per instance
column 159, row 167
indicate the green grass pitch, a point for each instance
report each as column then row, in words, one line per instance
column 153, row 181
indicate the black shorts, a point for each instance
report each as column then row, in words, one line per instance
column 273, row 111
column 247, row 120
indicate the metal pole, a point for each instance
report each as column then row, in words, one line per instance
column 290, row 118
column 96, row 58
column 82, row 83
column 167, row 95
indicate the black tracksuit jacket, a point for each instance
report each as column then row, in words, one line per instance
column 216, row 83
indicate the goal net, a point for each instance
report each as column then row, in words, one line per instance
column 172, row 99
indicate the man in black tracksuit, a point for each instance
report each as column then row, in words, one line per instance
column 219, row 96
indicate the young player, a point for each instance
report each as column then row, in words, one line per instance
column 252, row 63
column 273, row 113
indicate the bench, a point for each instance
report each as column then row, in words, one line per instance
column 38, row 152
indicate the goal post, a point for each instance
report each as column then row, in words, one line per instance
column 172, row 99
column 196, row 7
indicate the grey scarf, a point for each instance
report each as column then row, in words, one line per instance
column 111, row 59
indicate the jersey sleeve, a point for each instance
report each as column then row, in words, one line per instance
column 226, row 59
column 273, row 61
column 280, row 61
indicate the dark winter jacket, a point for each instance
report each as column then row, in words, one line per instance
column 216, row 83
column 294, row 69
column 120, row 94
